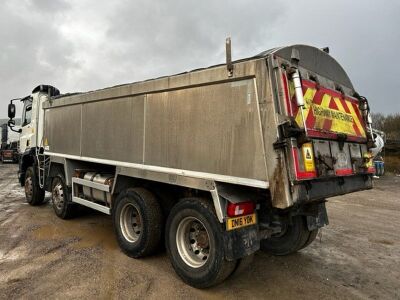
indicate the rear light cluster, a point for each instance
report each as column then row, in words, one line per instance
column 240, row 209
column 305, row 162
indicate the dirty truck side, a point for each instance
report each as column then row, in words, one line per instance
column 225, row 160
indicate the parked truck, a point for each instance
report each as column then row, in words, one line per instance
column 9, row 145
column 215, row 164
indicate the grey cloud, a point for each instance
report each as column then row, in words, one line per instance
column 31, row 51
column 84, row 45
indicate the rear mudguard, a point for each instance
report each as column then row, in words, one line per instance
column 241, row 242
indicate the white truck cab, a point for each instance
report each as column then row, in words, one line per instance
column 31, row 129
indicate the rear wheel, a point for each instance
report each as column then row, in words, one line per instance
column 294, row 236
column 194, row 242
column 311, row 238
column 33, row 193
column 138, row 221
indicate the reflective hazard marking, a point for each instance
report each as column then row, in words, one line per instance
column 308, row 157
column 326, row 110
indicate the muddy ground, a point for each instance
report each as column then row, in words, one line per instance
column 356, row 257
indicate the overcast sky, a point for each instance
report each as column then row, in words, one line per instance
column 83, row 45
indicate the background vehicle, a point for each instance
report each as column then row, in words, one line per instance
column 221, row 161
column 9, row 145
column 377, row 152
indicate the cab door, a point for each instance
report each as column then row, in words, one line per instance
column 27, row 128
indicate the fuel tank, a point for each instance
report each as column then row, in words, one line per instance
column 94, row 194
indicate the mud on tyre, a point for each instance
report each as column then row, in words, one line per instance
column 294, row 237
column 194, row 242
column 33, row 193
column 138, row 222
column 61, row 198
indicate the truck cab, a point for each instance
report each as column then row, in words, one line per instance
column 31, row 129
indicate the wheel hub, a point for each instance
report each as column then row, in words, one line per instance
column 130, row 223
column 58, row 196
column 192, row 241
column 28, row 187
column 202, row 239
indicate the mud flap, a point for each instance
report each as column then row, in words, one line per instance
column 319, row 220
column 241, row 242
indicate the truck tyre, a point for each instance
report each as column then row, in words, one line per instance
column 33, row 193
column 295, row 237
column 138, row 222
column 311, row 238
column 194, row 242
column 61, row 198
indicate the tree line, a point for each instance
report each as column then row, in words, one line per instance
column 389, row 124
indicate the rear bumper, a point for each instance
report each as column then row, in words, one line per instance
column 313, row 190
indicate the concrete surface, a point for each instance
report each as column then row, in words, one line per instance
column 356, row 257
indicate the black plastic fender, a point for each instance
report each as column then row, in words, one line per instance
column 241, row 242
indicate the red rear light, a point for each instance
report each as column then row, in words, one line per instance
column 240, row 209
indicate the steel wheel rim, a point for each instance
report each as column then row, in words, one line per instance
column 193, row 242
column 130, row 223
column 28, row 188
column 58, row 196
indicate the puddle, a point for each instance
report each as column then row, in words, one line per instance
column 86, row 235
column 383, row 242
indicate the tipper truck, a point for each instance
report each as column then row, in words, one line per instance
column 214, row 164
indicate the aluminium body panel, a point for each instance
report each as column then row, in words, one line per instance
column 212, row 126
column 62, row 129
column 114, row 129
column 167, row 145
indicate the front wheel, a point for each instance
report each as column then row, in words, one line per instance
column 194, row 242
column 33, row 193
column 294, row 237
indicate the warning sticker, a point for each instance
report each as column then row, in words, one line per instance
column 308, row 157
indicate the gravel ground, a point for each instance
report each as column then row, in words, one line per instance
column 356, row 257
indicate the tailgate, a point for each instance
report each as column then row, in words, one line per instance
column 336, row 130
column 328, row 113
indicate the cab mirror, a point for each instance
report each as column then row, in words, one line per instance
column 11, row 111
column 11, row 124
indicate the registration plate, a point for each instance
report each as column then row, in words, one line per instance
column 238, row 222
